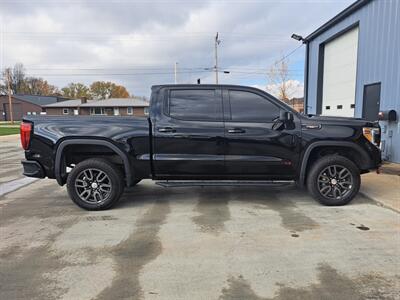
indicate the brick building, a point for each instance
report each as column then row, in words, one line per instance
column 108, row 107
column 296, row 103
column 24, row 105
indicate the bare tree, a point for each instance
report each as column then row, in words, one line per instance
column 16, row 75
column 279, row 81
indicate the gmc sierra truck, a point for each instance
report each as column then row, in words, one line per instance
column 202, row 135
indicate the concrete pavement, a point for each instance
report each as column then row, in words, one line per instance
column 194, row 243
column 385, row 187
column 11, row 154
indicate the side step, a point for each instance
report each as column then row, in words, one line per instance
column 188, row 183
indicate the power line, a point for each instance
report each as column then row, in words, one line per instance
column 150, row 68
column 100, row 2
column 287, row 55
column 114, row 74
column 152, row 73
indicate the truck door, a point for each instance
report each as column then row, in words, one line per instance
column 188, row 134
column 255, row 146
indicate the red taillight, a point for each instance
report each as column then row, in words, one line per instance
column 25, row 130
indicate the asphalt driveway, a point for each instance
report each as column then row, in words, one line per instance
column 196, row 243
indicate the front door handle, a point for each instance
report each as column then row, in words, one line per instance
column 236, row 130
column 166, row 129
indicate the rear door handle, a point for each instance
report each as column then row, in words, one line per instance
column 166, row 129
column 236, row 130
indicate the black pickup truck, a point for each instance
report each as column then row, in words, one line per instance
column 202, row 135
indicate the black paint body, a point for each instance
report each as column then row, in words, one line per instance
column 163, row 147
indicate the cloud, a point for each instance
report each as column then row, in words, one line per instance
column 136, row 43
column 295, row 89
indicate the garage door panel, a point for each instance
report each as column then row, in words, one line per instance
column 339, row 74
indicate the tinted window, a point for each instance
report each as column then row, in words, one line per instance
column 250, row 107
column 195, row 105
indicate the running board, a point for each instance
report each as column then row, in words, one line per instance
column 188, row 183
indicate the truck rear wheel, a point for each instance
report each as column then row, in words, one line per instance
column 334, row 180
column 95, row 184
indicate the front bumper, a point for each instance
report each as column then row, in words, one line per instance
column 32, row 169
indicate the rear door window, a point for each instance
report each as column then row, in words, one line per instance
column 195, row 104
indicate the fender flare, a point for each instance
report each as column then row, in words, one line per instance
column 65, row 143
column 304, row 161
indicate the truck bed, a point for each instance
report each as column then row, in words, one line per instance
column 112, row 127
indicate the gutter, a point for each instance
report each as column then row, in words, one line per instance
column 338, row 18
column 306, row 77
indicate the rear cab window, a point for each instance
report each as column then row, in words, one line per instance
column 194, row 104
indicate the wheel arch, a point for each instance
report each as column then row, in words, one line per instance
column 59, row 163
column 316, row 146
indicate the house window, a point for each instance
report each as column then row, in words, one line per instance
column 34, row 113
column 327, row 107
column 339, row 106
column 65, row 111
column 146, row 111
column 116, row 111
column 352, row 105
column 97, row 111
column 130, row 110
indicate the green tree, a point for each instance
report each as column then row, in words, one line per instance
column 107, row 89
column 76, row 90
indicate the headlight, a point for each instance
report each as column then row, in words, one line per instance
column 373, row 134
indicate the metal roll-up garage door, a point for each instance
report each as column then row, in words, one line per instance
column 339, row 75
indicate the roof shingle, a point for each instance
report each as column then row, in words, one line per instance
column 112, row 102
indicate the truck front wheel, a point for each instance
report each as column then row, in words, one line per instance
column 95, row 184
column 334, row 180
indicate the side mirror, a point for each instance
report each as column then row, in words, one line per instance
column 285, row 116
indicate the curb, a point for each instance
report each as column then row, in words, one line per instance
column 379, row 203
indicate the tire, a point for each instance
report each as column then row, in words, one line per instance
column 333, row 180
column 95, row 184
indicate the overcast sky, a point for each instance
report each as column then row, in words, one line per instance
column 136, row 43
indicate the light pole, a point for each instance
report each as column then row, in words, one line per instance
column 299, row 38
column 216, row 43
column 175, row 72
column 8, row 71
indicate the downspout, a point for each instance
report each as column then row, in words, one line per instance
column 306, row 77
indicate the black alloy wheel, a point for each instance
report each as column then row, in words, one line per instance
column 95, row 184
column 333, row 180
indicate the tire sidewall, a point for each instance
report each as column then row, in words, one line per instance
column 111, row 171
column 319, row 166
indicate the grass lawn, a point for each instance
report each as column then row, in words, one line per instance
column 8, row 130
column 16, row 123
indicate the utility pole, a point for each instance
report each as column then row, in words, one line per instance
column 216, row 43
column 176, row 72
column 9, row 96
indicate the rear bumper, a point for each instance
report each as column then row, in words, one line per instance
column 32, row 169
